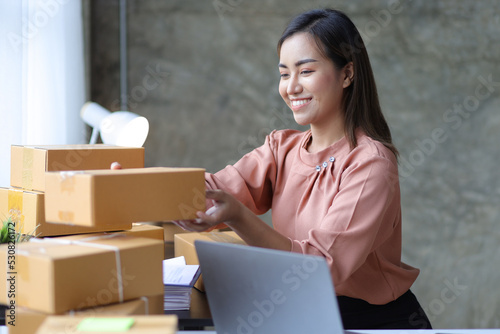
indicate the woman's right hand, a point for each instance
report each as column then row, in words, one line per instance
column 226, row 209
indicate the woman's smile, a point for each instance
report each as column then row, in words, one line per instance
column 296, row 104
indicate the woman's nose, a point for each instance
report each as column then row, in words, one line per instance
column 294, row 86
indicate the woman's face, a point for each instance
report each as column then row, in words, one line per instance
column 310, row 84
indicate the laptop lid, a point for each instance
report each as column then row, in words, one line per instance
column 253, row 290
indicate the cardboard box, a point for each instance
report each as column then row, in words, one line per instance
column 170, row 229
column 104, row 197
column 56, row 276
column 24, row 321
column 152, row 324
column 27, row 321
column 137, row 230
column 184, row 246
column 29, row 163
column 145, row 231
column 29, row 207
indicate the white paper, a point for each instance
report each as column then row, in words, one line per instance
column 177, row 272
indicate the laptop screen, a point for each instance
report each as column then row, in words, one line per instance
column 257, row 290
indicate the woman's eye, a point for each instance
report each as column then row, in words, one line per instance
column 306, row 72
column 284, row 75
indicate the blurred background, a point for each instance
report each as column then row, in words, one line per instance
column 204, row 73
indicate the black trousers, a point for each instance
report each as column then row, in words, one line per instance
column 402, row 313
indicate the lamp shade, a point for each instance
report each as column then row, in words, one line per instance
column 121, row 128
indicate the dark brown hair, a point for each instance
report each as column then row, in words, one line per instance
column 339, row 40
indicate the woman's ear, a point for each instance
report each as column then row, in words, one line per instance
column 348, row 72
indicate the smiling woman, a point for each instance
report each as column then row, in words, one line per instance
column 313, row 87
column 333, row 189
column 337, row 41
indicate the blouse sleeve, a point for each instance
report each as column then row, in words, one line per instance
column 251, row 180
column 362, row 216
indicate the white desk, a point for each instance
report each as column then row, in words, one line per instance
column 3, row 330
column 398, row 331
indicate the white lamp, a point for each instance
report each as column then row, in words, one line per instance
column 121, row 128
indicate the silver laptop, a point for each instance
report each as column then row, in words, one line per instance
column 253, row 290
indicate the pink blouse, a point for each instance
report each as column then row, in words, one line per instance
column 338, row 203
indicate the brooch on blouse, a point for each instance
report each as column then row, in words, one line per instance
column 325, row 164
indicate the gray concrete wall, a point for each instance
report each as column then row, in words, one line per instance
column 207, row 81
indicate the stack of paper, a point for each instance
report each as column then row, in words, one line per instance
column 178, row 280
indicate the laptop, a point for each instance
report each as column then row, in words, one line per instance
column 253, row 290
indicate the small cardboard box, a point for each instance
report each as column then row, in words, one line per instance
column 55, row 276
column 137, row 230
column 103, row 197
column 170, row 229
column 26, row 321
column 143, row 231
column 184, row 246
column 151, row 324
column 29, row 208
column 29, row 163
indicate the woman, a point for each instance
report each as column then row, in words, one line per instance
column 333, row 189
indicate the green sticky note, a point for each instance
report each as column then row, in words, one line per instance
column 105, row 324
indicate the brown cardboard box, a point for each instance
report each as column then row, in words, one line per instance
column 24, row 321
column 152, row 324
column 29, row 207
column 104, row 197
column 170, row 229
column 146, row 231
column 27, row 321
column 29, row 163
column 184, row 246
column 55, row 276
column 137, row 230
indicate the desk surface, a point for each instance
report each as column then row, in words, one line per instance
column 3, row 330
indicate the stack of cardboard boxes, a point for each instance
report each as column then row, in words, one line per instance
column 69, row 190
column 26, row 196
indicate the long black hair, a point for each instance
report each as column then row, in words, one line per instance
column 338, row 39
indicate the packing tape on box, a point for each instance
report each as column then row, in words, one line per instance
column 15, row 201
column 66, row 216
column 67, row 182
column 146, row 304
column 82, row 242
column 27, row 167
column 15, row 207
